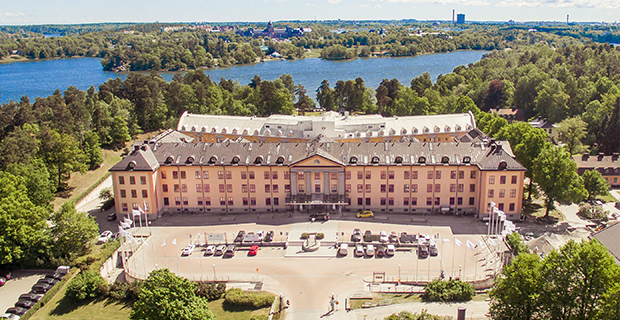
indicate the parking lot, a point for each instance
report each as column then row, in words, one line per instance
column 307, row 279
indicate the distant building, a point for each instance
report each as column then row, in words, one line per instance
column 271, row 32
column 460, row 18
column 608, row 166
column 609, row 238
column 511, row 114
column 550, row 128
column 333, row 125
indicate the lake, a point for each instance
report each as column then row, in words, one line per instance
column 41, row 78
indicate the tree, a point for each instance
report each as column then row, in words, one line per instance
column 555, row 172
column 62, row 156
column 466, row 104
column 551, row 101
column 421, row 83
column 36, row 179
column 516, row 294
column 23, row 223
column 92, row 150
column 72, row 231
column 119, row 133
column 571, row 131
column 304, row 102
column 527, row 142
column 516, row 245
column 609, row 133
column 164, row 295
column 325, row 96
column 594, row 183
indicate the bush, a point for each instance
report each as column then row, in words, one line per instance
column 592, row 212
column 248, row 300
column 304, row 236
column 107, row 204
column 86, row 285
column 406, row 315
column 320, row 236
column 451, row 290
column 210, row 290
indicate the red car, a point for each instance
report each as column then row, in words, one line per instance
column 253, row 250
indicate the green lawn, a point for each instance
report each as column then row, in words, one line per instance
column 220, row 314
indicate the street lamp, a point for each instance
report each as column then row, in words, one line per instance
column 214, row 277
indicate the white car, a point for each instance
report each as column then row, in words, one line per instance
column 210, row 250
column 359, row 250
column 383, row 236
column 389, row 251
column 344, row 249
column 370, row 250
column 104, row 237
column 188, row 250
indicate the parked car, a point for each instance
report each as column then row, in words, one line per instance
column 230, row 251
column 17, row 310
column 2, row 282
column 389, row 250
column 112, row 216
column 357, row 235
column 380, row 251
column 31, row 296
column 344, row 249
column 209, row 250
column 359, row 250
column 365, row 214
column 219, row 250
column 383, row 237
column 269, row 236
column 261, row 234
column 253, row 251
column 617, row 205
column 62, row 270
column 404, row 237
column 50, row 281
column 432, row 250
column 105, row 236
column 239, row 236
column 422, row 251
column 394, row 237
column 370, row 250
column 367, row 236
column 319, row 216
column 26, row 304
column 10, row 316
column 188, row 250
column 41, row 288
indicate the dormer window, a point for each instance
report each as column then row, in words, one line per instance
column 258, row 160
column 374, row 160
column 502, row 165
column 398, row 159
column 212, row 160
column 131, row 165
column 422, row 160
column 170, row 159
column 467, row 159
column 190, row 159
column 403, row 131
column 235, row 160
column 353, row 160
column 426, row 130
column 280, row 160
column 445, row 159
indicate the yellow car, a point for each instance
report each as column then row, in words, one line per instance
column 365, row 214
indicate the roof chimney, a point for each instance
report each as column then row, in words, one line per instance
column 600, row 156
column 585, row 156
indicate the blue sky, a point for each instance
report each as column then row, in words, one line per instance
column 90, row 11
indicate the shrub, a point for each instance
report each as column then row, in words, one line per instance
column 592, row 212
column 248, row 300
column 451, row 290
column 211, row 290
column 406, row 315
column 320, row 236
column 123, row 291
column 86, row 285
column 304, row 236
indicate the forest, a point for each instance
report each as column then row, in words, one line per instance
column 43, row 142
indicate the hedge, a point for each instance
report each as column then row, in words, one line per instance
column 451, row 290
column 248, row 300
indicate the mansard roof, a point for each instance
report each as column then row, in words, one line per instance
column 486, row 155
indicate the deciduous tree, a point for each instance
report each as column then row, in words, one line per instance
column 594, row 183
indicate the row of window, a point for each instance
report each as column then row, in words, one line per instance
column 132, row 180
column 206, row 201
column 502, row 193
column 125, row 207
column 228, row 174
column 134, row 193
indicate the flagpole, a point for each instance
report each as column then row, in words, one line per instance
column 143, row 259
column 165, row 255
column 154, row 263
column 453, row 255
column 465, row 263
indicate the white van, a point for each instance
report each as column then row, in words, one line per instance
column 344, row 249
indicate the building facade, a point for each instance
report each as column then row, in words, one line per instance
column 409, row 177
column 333, row 125
column 608, row 166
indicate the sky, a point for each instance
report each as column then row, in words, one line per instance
column 92, row 11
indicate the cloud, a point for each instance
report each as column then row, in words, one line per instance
column 598, row 4
column 310, row 5
column 445, row 2
column 334, row 1
column 10, row 14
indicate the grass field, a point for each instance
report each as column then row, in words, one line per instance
column 217, row 307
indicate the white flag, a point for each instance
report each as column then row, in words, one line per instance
column 163, row 243
column 458, row 242
column 146, row 244
column 445, row 240
column 492, row 242
column 135, row 212
column 140, row 209
column 131, row 238
column 480, row 243
column 471, row 245
column 174, row 241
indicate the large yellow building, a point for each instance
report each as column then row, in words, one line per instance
column 172, row 174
